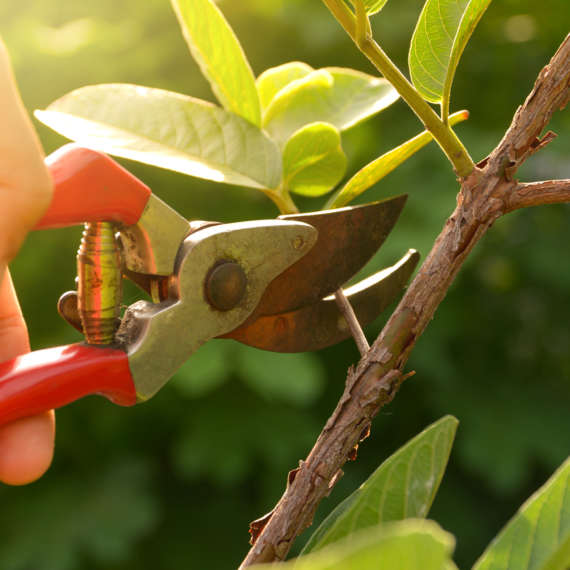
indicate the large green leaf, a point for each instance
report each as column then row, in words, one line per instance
column 342, row 97
column 538, row 536
column 442, row 32
column 272, row 80
column 169, row 130
column 374, row 171
column 220, row 56
column 404, row 486
column 313, row 160
column 405, row 545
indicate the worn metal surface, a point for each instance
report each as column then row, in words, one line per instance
column 150, row 246
column 321, row 324
column 159, row 337
column 348, row 238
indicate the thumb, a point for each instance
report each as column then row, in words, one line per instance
column 25, row 184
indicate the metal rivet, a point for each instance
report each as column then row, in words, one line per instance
column 298, row 242
column 225, row 285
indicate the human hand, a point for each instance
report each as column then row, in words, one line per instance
column 26, row 446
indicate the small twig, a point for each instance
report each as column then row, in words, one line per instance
column 349, row 315
column 539, row 193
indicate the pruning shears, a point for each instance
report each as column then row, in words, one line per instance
column 265, row 283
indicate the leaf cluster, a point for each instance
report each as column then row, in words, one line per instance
column 279, row 133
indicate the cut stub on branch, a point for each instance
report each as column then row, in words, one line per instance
column 321, row 324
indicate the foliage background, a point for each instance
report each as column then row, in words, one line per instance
column 174, row 483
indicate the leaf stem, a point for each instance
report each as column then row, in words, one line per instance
column 282, row 199
column 363, row 29
column 442, row 132
column 445, row 111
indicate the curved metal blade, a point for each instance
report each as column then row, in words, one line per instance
column 348, row 238
column 320, row 325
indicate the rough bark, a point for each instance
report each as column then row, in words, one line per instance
column 489, row 192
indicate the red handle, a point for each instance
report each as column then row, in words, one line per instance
column 51, row 378
column 91, row 187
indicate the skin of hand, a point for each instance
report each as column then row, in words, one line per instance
column 26, row 446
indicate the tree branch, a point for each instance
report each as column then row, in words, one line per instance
column 538, row 194
column 486, row 194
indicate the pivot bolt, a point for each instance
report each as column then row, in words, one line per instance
column 225, row 285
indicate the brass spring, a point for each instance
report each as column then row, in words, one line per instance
column 99, row 286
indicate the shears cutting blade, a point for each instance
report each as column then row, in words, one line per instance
column 266, row 283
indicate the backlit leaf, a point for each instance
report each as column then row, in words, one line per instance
column 404, row 486
column 538, row 536
column 169, row 130
column 374, row 171
column 342, row 97
column 442, row 32
column 272, row 80
column 220, row 56
column 313, row 160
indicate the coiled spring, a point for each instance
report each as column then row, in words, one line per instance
column 99, row 289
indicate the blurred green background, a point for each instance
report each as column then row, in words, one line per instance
column 173, row 483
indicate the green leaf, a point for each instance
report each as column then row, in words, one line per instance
column 442, row 32
column 313, row 160
column 367, row 176
column 404, row 486
column 220, row 56
column 406, row 545
column 169, row 130
column 538, row 536
column 272, row 80
column 342, row 97
column 373, row 6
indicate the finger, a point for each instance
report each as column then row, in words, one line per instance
column 26, row 446
column 25, row 185
column 13, row 332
